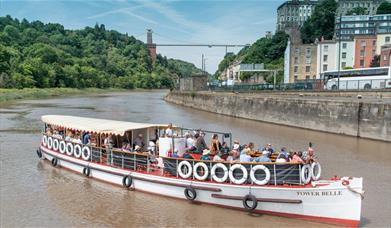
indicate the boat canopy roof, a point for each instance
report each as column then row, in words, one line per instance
column 96, row 125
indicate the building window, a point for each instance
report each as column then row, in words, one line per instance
column 374, row 43
column 295, row 69
column 362, row 53
column 344, row 45
column 344, row 55
column 363, row 43
column 308, row 61
column 296, row 60
column 308, row 51
column 343, row 64
column 324, row 67
column 385, row 57
column 297, row 51
column 307, row 77
column 326, row 48
column 307, row 68
column 325, row 57
column 361, row 63
column 296, row 77
column 387, row 39
column 314, row 77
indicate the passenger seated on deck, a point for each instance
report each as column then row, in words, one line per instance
column 235, row 155
column 268, row 147
column 56, row 134
column 126, row 147
column 264, row 157
column 205, row 155
column 215, row 145
column 218, row 157
column 77, row 139
column 189, row 141
column 175, row 154
column 139, row 141
column 224, row 150
column 86, row 138
column 284, row 153
column 230, row 157
column 200, row 144
column 237, row 146
column 245, row 157
column 151, row 147
column 309, row 155
column 187, row 155
column 296, row 158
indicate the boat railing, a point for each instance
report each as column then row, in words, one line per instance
column 280, row 173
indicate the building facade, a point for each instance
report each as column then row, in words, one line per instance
column 344, row 6
column 327, row 55
column 385, row 56
column 365, row 50
column 382, row 40
column 293, row 13
column 350, row 26
column 302, row 62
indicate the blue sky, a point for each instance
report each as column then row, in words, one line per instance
column 186, row 21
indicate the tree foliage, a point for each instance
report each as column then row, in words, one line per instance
column 358, row 11
column 384, row 8
column 321, row 22
column 34, row 54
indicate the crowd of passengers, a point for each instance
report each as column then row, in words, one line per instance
column 195, row 144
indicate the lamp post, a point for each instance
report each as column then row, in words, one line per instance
column 339, row 48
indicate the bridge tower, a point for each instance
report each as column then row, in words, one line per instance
column 151, row 46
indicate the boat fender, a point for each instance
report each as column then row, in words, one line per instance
column 55, row 144
column 44, row 140
column 39, row 153
column 127, row 181
column 190, row 193
column 86, row 153
column 189, row 169
column 77, row 151
column 206, row 171
column 62, row 147
column 267, row 175
column 306, row 174
column 231, row 174
column 215, row 177
column 50, row 143
column 54, row 161
column 252, row 205
column 315, row 166
column 69, row 149
column 86, row 171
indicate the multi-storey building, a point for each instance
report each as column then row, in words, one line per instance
column 365, row 50
column 293, row 13
column 385, row 55
column 344, row 6
column 382, row 40
column 302, row 62
column 350, row 26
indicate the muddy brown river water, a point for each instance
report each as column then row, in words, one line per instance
column 34, row 194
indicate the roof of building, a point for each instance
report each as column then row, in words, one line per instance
column 95, row 125
column 296, row 2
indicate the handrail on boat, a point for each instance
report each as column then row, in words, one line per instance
column 143, row 161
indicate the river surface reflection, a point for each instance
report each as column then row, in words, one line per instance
column 34, row 194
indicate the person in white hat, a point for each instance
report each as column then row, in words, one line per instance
column 205, row 155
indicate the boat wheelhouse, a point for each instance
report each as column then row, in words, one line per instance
column 286, row 189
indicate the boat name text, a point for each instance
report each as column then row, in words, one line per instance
column 322, row 193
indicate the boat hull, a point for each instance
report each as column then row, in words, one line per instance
column 328, row 201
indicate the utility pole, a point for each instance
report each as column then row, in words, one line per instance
column 202, row 63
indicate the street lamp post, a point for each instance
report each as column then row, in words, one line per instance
column 339, row 48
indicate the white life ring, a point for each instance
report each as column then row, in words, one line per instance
column 189, row 169
column 62, row 147
column 231, row 174
column 215, row 177
column 77, row 151
column 55, row 144
column 313, row 167
column 50, row 143
column 44, row 140
column 69, row 149
column 303, row 173
column 255, row 180
column 206, row 172
column 86, row 153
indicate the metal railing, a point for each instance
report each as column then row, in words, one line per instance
column 280, row 173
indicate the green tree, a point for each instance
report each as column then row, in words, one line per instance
column 358, row 11
column 375, row 61
column 384, row 8
column 321, row 22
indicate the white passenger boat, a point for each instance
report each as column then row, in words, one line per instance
column 284, row 189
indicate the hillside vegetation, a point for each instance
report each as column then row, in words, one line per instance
column 34, row 54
